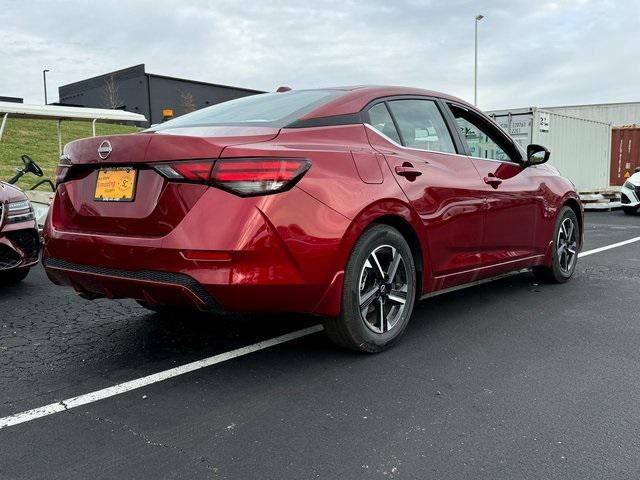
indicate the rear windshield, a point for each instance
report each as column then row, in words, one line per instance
column 265, row 109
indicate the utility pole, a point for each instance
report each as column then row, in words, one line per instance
column 44, row 80
column 475, row 66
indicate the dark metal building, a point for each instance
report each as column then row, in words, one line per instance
column 154, row 96
column 11, row 99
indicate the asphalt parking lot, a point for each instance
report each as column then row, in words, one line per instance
column 509, row 379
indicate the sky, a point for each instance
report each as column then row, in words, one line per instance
column 531, row 53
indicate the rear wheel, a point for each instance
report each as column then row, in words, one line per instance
column 378, row 293
column 565, row 249
column 12, row 277
column 630, row 210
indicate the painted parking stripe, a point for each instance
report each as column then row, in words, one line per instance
column 73, row 402
column 151, row 379
column 609, row 247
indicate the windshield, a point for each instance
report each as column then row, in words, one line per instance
column 266, row 109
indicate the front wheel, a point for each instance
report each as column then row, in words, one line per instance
column 378, row 293
column 565, row 249
column 630, row 210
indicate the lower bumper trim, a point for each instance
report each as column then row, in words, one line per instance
column 166, row 278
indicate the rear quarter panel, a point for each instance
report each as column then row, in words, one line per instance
column 337, row 181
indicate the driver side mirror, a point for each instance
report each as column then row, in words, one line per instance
column 537, row 154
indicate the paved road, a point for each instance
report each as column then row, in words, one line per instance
column 505, row 380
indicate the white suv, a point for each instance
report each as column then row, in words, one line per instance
column 630, row 193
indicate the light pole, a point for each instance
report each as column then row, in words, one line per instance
column 475, row 67
column 44, row 80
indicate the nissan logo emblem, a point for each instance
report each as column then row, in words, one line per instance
column 104, row 150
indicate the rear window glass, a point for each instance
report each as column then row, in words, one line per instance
column 265, row 109
column 380, row 119
column 422, row 126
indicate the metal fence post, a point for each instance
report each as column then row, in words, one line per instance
column 4, row 122
column 59, row 137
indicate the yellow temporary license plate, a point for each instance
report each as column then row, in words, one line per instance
column 116, row 185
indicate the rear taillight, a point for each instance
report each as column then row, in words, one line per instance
column 258, row 176
column 242, row 176
column 198, row 172
column 62, row 169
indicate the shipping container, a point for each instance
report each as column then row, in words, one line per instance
column 617, row 114
column 625, row 153
column 580, row 148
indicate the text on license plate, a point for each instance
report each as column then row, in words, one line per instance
column 116, row 185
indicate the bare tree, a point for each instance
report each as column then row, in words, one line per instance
column 111, row 94
column 187, row 102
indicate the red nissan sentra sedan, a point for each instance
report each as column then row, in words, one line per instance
column 350, row 203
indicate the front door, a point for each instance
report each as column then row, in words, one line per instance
column 514, row 194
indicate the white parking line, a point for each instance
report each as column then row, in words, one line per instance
column 91, row 397
column 150, row 379
column 609, row 247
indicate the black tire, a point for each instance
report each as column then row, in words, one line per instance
column 561, row 271
column 12, row 277
column 351, row 330
column 630, row 210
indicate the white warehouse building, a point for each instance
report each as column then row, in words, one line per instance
column 617, row 114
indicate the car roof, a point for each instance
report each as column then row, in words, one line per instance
column 357, row 97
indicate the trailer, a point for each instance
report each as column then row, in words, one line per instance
column 580, row 148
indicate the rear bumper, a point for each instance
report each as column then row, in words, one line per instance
column 233, row 290
column 268, row 256
column 152, row 287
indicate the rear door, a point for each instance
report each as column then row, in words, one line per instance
column 514, row 193
column 439, row 181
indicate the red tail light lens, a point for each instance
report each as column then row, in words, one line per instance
column 198, row 172
column 242, row 176
column 258, row 176
column 64, row 165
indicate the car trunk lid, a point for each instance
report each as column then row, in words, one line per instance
column 156, row 206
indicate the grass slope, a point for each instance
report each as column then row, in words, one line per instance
column 39, row 140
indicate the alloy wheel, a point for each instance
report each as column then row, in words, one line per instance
column 567, row 245
column 383, row 288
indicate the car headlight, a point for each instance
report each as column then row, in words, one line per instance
column 21, row 211
column 40, row 211
column 629, row 185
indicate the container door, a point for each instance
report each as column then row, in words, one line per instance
column 625, row 153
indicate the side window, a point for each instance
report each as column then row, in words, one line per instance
column 482, row 142
column 421, row 125
column 380, row 119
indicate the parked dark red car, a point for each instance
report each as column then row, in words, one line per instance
column 19, row 238
column 350, row 203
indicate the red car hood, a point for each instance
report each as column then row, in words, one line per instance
column 9, row 193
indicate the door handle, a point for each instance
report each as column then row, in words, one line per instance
column 407, row 170
column 492, row 180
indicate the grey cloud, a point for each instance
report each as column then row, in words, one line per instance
column 531, row 53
